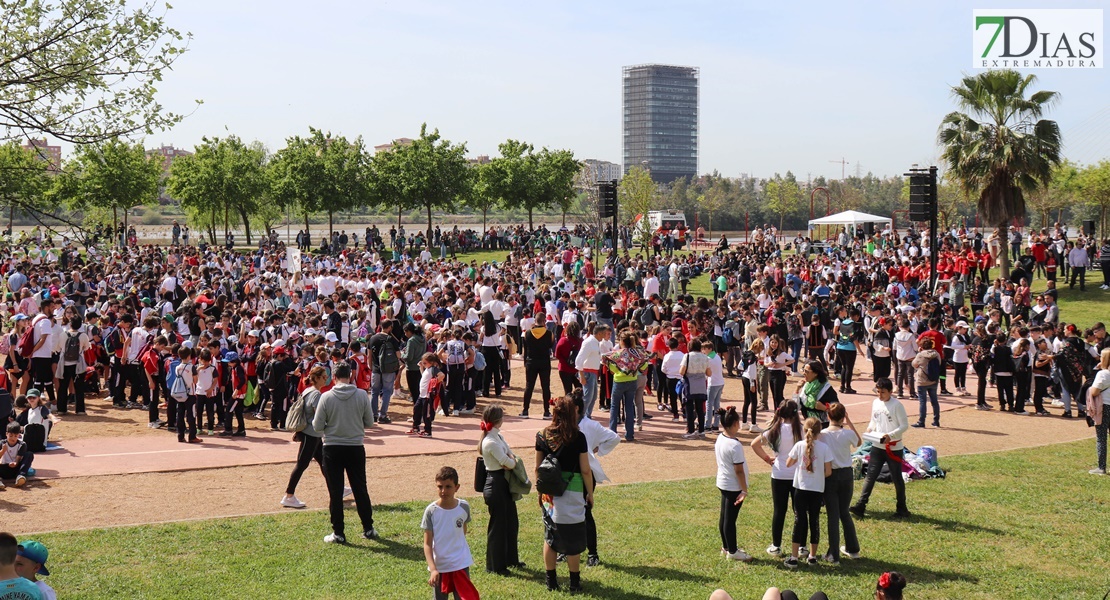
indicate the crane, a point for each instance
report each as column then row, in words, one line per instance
column 843, row 163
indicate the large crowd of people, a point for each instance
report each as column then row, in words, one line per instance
column 202, row 337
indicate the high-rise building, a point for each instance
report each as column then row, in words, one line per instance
column 661, row 120
column 44, row 151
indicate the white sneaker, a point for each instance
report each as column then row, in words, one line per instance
column 20, row 481
column 292, row 502
column 2, row 486
column 744, row 427
column 1058, row 403
column 348, row 492
column 852, row 555
column 740, row 555
column 1092, row 472
column 690, row 436
column 454, row 413
column 331, row 538
column 774, row 550
column 755, row 429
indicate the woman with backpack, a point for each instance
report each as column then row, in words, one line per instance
column 785, row 429
column 563, row 461
column 311, row 447
column 70, row 370
column 928, row 364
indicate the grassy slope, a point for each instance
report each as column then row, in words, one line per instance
column 1022, row 524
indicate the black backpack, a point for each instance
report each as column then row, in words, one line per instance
column 34, row 436
column 386, row 358
column 72, row 351
column 549, row 475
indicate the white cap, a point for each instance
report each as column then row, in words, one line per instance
column 331, row 337
column 962, row 324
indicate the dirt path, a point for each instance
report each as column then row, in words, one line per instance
column 83, row 502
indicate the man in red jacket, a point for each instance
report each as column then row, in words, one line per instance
column 939, row 342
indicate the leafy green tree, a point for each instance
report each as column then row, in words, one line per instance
column 713, row 200
column 511, row 178
column 431, row 173
column 23, row 178
column 222, row 176
column 1093, row 183
column 481, row 196
column 1060, row 193
column 555, row 174
column 322, row 173
column 636, row 196
column 85, row 71
column 1001, row 148
column 783, row 196
column 112, row 175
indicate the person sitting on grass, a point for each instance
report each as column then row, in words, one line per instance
column 15, row 458
column 30, row 562
column 11, row 584
column 445, row 548
column 888, row 587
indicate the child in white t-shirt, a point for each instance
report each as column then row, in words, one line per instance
column 814, row 462
column 445, row 548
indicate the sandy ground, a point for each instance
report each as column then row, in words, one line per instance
column 83, row 502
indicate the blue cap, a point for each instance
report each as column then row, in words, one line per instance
column 231, row 357
column 35, row 552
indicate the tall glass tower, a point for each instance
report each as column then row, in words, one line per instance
column 661, row 120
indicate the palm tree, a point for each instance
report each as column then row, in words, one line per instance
column 1003, row 149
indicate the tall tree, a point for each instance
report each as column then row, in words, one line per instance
column 85, row 71
column 481, row 196
column 713, row 200
column 223, row 175
column 322, row 173
column 555, row 174
column 1060, row 193
column 430, row 173
column 636, row 196
column 782, row 196
column 1093, row 183
column 23, row 178
column 115, row 176
column 512, row 177
column 1001, row 148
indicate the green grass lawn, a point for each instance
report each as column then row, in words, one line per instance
column 1022, row 524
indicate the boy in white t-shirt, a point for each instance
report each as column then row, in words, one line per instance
column 445, row 548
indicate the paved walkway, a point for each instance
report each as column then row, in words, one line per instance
column 152, row 453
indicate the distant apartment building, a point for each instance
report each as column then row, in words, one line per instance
column 481, row 159
column 601, row 170
column 660, row 120
column 397, row 142
column 167, row 154
column 44, row 151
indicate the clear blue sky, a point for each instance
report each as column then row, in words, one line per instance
column 784, row 86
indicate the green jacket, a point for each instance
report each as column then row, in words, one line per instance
column 519, row 484
column 414, row 350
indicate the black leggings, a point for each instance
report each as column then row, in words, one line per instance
column 1040, row 390
column 847, row 365
column 695, row 410
column 961, row 375
column 1005, row 385
column 981, row 389
column 782, row 491
column 591, row 527
column 777, row 379
column 311, row 449
column 750, row 401
column 807, row 515
column 730, row 510
column 531, row 372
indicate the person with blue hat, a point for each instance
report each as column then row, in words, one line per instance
column 234, row 404
column 30, row 562
column 11, row 584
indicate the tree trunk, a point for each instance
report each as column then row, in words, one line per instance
column 428, row 239
column 115, row 223
column 125, row 229
column 306, row 226
column 11, row 217
column 530, row 218
column 399, row 209
column 484, row 211
column 331, row 227
column 212, row 226
column 564, row 217
column 247, row 225
column 227, row 220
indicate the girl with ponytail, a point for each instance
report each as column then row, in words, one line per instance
column 809, row 486
column 784, row 430
column 732, row 481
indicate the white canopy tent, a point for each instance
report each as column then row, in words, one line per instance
column 849, row 217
